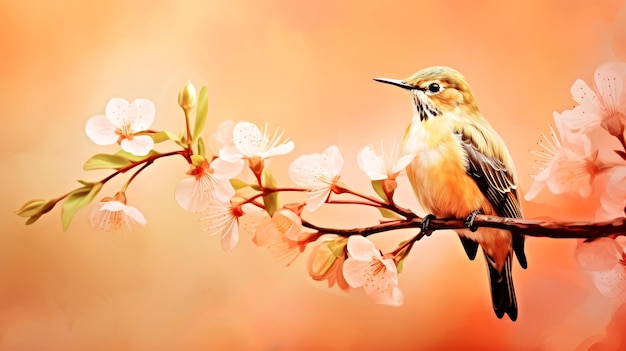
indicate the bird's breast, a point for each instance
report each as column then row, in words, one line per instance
column 438, row 173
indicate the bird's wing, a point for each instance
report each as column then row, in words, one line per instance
column 498, row 185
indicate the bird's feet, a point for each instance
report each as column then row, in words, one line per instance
column 469, row 221
column 426, row 224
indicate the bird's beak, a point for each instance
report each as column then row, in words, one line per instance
column 395, row 82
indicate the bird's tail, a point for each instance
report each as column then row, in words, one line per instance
column 502, row 291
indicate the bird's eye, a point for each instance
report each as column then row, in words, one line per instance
column 434, row 88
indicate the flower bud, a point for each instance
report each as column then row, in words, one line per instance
column 187, row 97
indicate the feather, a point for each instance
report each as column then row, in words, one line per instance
column 498, row 185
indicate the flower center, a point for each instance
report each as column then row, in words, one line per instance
column 125, row 132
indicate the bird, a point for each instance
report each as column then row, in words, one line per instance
column 462, row 168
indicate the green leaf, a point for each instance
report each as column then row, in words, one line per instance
column 31, row 208
column 201, row 148
column 33, row 219
column 104, row 161
column 162, row 136
column 202, row 112
column 76, row 200
column 378, row 188
column 403, row 254
column 134, row 158
column 270, row 200
column 389, row 214
column 400, row 264
column 197, row 160
column 47, row 207
column 238, row 183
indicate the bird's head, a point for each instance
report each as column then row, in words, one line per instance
column 436, row 90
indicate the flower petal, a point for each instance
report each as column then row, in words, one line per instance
column 316, row 198
column 135, row 215
column 248, row 138
column 372, row 164
column 278, row 150
column 223, row 190
column 360, row 248
column 224, row 133
column 333, row 160
column 403, row 162
column 230, row 154
column 266, row 233
column 117, row 111
column 581, row 119
column 308, row 171
column 614, row 196
column 598, row 255
column 354, row 272
column 141, row 114
column 231, row 236
column 288, row 223
column 191, row 196
column 611, row 283
column 582, row 94
column 112, row 206
column 139, row 145
column 609, row 83
column 225, row 169
column 100, row 130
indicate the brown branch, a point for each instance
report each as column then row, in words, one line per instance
column 529, row 227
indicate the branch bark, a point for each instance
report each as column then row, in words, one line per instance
column 528, row 227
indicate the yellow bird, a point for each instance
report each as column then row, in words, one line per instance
column 461, row 168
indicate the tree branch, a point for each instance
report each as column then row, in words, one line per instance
column 529, row 227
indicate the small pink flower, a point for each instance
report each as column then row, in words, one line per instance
column 113, row 214
column 223, row 219
column 326, row 262
column 282, row 234
column 566, row 164
column 604, row 105
column 605, row 258
column 383, row 166
column 207, row 182
column 120, row 124
column 377, row 274
column 250, row 143
column 318, row 173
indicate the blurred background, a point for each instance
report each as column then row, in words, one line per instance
column 307, row 67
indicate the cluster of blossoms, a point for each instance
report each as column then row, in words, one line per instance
column 590, row 151
column 212, row 187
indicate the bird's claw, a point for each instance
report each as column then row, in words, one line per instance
column 469, row 221
column 426, row 224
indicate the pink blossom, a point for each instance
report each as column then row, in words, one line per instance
column 368, row 268
column 282, row 234
column 207, row 182
column 317, row 173
column 120, row 124
column 604, row 105
column 250, row 143
column 223, row 219
column 566, row 163
column 605, row 258
column 112, row 214
column 383, row 166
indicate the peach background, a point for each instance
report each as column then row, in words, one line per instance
column 306, row 67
